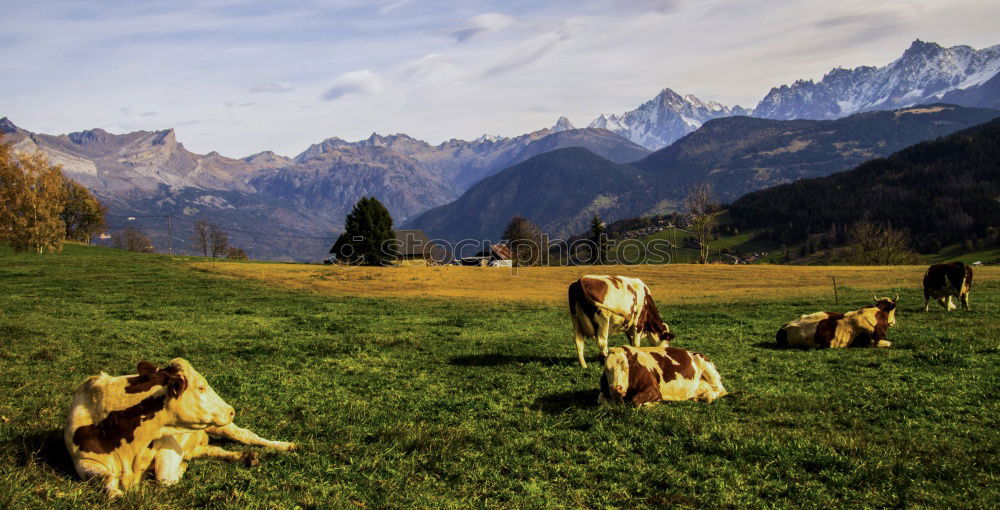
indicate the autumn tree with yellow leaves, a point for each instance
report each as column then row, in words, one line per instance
column 32, row 197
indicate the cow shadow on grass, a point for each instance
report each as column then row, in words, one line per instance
column 47, row 448
column 497, row 359
column 563, row 401
column 772, row 345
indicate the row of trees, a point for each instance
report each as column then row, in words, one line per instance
column 39, row 207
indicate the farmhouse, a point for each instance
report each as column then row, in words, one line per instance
column 495, row 255
column 416, row 249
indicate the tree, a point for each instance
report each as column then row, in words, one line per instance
column 83, row 214
column 599, row 236
column 528, row 244
column 218, row 241
column 235, row 253
column 132, row 240
column 879, row 244
column 32, row 196
column 701, row 208
column 368, row 238
column 200, row 237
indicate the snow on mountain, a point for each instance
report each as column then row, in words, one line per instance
column 923, row 74
column 563, row 124
column 664, row 119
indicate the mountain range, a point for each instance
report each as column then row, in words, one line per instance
column 736, row 155
column 281, row 207
column 276, row 206
column 925, row 73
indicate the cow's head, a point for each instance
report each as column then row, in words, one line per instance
column 652, row 324
column 193, row 401
column 887, row 307
column 616, row 367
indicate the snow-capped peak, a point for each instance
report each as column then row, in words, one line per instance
column 663, row 119
column 563, row 124
column 922, row 74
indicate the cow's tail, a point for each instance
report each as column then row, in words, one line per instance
column 782, row 337
column 578, row 304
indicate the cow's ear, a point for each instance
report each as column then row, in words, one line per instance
column 145, row 368
column 176, row 385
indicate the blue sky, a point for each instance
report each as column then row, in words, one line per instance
column 240, row 77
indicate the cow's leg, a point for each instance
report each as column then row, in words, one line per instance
column 248, row 458
column 712, row 381
column 168, row 463
column 951, row 306
column 581, row 346
column 634, row 336
column 140, row 464
column 883, row 343
column 602, row 336
column 965, row 301
column 927, row 301
column 232, row 431
column 89, row 469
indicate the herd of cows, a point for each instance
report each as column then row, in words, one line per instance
column 636, row 375
column 119, row 427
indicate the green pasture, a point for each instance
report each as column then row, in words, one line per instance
column 434, row 403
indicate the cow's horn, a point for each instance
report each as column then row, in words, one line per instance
column 895, row 298
column 875, row 297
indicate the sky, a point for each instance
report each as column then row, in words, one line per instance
column 240, row 77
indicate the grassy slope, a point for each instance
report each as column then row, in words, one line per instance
column 452, row 403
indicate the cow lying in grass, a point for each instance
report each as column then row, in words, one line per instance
column 867, row 327
column 640, row 376
column 602, row 305
column 118, row 426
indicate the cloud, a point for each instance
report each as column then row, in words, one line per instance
column 534, row 51
column 481, row 25
column 387, row 8
column 148, row 114
column 233, row 104
column 365, row 83
column 276, row 88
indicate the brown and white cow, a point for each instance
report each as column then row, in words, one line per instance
column 646, row 375
column 602, row 305
column 867, row 327
column 942, row 281
column 118, row 426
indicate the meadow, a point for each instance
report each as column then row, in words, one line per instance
column 458, row 387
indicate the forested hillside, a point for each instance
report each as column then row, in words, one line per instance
column 942, row 191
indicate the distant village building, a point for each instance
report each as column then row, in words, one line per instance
column 414, row 248
column 496, row 255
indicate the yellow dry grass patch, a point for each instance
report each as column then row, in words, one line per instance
column 680, row 283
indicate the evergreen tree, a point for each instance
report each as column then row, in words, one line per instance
column 368, row 238
column 599, row 236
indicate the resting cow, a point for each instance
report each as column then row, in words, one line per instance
column 942, row 281
column 602, row 305
column 118, row 426
column 645, row 375
column 867, row 327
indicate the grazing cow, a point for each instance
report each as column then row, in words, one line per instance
column 867, row 327
column 942, row 281
column 118, row 426
column 602, row 305
column 646, row 375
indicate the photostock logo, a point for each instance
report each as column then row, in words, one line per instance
column 410, row 248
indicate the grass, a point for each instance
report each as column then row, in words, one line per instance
column 449, row 401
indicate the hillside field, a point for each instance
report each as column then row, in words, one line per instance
column 458, row 387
